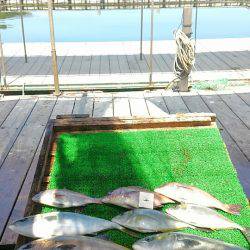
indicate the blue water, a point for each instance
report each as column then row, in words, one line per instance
column 124, row 25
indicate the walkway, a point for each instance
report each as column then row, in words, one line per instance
column 117, row 64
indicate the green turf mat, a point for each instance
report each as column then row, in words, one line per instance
column 96, row 163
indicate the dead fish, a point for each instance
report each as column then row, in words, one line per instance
column 61, row 224
column 193, row 195
column 204, row 217
column 128, row 197
column 148, row 220
column 181, row 241
column 64, row 198
column 72, row 242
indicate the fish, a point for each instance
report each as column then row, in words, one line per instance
column 52, row 224
column 181, row 241
column 204, row 217
column 128, row 197
column 193, row 195
column 72, row 242
column 63, row 198
column 149, row 221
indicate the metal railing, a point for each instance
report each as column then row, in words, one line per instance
column 12, row 5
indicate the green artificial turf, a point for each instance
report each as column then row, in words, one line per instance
column 97, row 163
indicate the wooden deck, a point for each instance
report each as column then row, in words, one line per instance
column 115, row 64
column 23, row 121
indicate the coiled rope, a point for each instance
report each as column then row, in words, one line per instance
column 185, row 55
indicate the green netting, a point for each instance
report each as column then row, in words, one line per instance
column 96, row 163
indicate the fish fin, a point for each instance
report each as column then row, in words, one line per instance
column 233, row 209
column 130, row 232
column 246, row 233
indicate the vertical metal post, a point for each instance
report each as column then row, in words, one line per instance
column 23, row 33
column 187, row 29
column 53, row 48
column 151, row 44
column 141, row 29
column 3, row 69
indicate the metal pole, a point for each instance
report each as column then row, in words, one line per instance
column 3, row 69
column 141, row 29
column 23, row 33
column 53, row 48
column 151, row 44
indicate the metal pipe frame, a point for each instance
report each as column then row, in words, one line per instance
column 3, row 69
column 141, row 30
column 23, row 33
column 151, row 45
column 53, row 48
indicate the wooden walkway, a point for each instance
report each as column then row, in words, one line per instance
column 115, row 64
column 23, row 121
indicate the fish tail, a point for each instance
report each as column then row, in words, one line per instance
column 246, row 233
column 233, row 209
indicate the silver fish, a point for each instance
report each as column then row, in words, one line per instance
column 70, row 243
column 193, row 195
column 64, row 198
column 205, row 217
column 148, row 220
column 61, row 224
column 181, row 241
column 128, row 197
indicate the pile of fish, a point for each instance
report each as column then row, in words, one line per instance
column 195, row 209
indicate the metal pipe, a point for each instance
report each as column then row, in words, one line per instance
column 141, row 30
column 53, row 48
column 3, row 69
column 151, row 44
column 23, row 33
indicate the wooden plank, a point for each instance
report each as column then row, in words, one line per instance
column 117, row 123
column 85, row 65
column 245, row 97
column 169, row 60
column 216, row 62
column 104, row 65
column 121, row 104
column 138, row 104
column 64, row 105
column 76, row 65
column 6, row 107
column 17, row 163
column 84, row 105
column 9, row 237
column 236, row 128
column 133, row 65
column 155, row 65
column 161, row 63
column 242, row 165
column 95, row 65
column 142, row 64
column 175, row 103
column 13, row 125
column 114, row 64
column 123, row 63
column 156, row 105
column 65, row 68
column 238, row 106
column 103, row 105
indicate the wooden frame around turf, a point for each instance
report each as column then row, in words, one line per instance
column 83, row 123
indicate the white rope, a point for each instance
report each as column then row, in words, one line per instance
column 185, row 55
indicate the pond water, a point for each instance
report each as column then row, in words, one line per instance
column 124, row 25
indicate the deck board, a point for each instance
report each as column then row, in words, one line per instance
column 17, row 163
column 6, row 107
